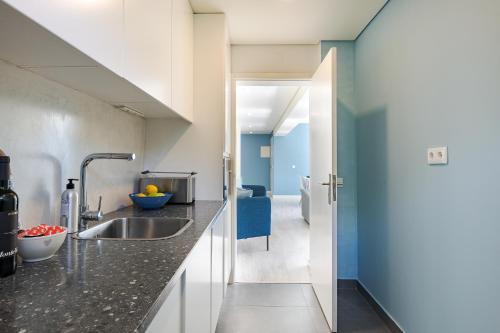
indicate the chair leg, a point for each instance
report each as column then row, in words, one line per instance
column 267, row 243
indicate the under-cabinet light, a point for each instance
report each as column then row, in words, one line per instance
column 129, row 110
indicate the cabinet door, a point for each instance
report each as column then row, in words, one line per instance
column 227, row 244
column 148, row 47
column 93, row 27
column 197, row 290
column 182, row 58
column 217, row 269
column 169, row 318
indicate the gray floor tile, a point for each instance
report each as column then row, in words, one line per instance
column 319, row 320
column 264, row 294
column 371, row 325
column 351, row 298
column 356, row 315
column 262, row 319
column 293, row 308
column 310, row 296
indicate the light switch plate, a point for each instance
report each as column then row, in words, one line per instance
column 437, row 155
column 265, row 151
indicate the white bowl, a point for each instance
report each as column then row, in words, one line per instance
column 40, row 248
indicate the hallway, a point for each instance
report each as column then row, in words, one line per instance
column 287, row 260
column 292, row 308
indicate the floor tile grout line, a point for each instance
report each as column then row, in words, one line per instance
column 270, row 306
column 277, row 283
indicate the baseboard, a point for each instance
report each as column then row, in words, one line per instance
column 393, row 326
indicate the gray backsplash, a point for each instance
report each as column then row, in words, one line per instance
column 48, row 129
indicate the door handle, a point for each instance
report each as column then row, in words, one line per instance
column 332, row 188
column 329, row 184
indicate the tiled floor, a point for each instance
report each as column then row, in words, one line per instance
column 292, row 308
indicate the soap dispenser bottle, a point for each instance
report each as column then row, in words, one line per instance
column 69, row 207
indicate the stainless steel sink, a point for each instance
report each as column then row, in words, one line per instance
column 137, row 228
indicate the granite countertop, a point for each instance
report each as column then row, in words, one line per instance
column 101, row 286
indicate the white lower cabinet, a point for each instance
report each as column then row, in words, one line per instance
column 169, row 318
column 228, row 234
column 194, row 303
column 217, row 268
column 197, row 291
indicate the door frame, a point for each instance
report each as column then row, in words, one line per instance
column 235, row 165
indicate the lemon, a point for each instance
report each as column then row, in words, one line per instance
column 140, row 195
column 151, row 189
column 156, row 195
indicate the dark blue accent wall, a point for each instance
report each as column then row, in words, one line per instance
column 255, row 170
column 290, row 160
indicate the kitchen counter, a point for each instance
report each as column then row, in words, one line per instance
column 102, row 286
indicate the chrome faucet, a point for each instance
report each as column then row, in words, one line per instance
column 84, row 213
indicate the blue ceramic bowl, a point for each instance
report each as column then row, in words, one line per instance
column 150, row 202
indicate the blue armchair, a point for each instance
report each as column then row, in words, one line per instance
column 254, row 214
column 258, row 190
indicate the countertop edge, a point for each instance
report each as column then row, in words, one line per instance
column 146, row 321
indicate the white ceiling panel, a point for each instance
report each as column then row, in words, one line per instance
column 292, row 21
column 259, row 107
column 298, row 115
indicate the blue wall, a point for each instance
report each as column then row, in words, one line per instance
column 290, row 150
column 428, row 74
column 347, row 238
column 255, row 170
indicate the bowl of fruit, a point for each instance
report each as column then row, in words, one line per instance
column 40, row 242
column 151, row 198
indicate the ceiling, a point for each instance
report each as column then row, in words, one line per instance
column 299, row 114
column 261, row 105
column 292, row 21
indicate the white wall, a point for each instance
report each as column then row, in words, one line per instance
column 174, row 145
column 48, row 129
column 275, row 59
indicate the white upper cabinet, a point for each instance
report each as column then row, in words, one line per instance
column 94, row 27
column 144, row 49
column 148, row 47
column 182, row 58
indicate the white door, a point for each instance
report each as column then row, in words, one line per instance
column 323, row 226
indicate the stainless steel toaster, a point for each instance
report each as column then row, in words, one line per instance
column 180, row 184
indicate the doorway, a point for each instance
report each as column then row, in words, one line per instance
column 272, row 119
column 321, row 184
